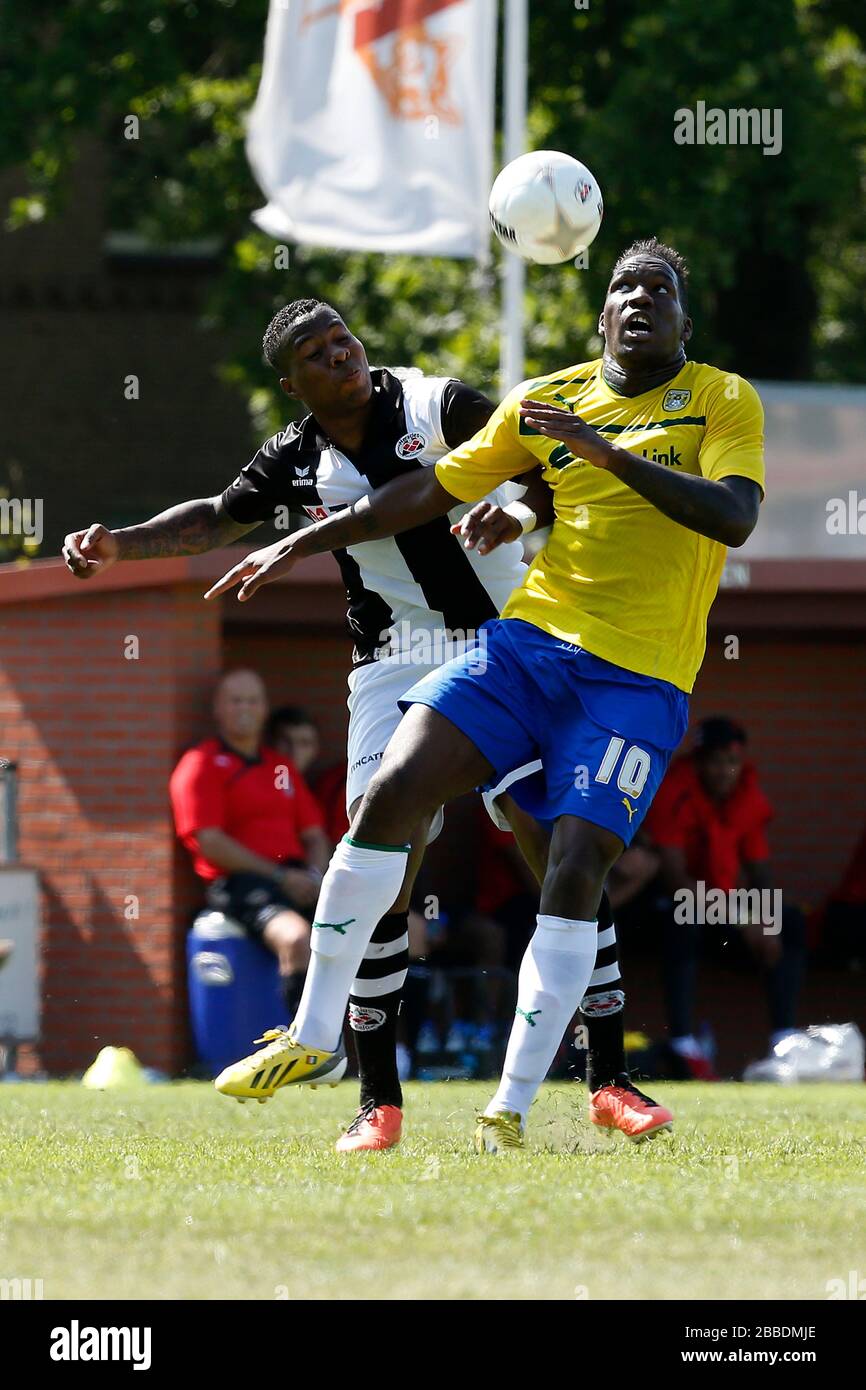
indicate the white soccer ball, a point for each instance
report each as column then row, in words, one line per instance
column 546, row 207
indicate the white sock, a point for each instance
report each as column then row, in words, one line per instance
column 554, row 974
column 360, row 886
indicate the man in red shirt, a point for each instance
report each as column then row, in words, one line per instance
column 253, row 828
column 709, row 824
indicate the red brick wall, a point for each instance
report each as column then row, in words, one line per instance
column 301, row 670
column 802, row 699
column 96, row 736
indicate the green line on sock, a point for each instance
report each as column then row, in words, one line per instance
column 365, row 844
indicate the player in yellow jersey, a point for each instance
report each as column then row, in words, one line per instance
column 655, row 465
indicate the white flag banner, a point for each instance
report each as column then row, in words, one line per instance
column 373, row 124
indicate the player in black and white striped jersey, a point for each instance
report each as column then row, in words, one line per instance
column 405, row 594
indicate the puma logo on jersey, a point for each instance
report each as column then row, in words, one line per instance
column 628, row 806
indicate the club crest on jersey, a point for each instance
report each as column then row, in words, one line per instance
column 411, row 444
column 675, row 400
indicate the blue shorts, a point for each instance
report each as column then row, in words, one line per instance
column 604, row 735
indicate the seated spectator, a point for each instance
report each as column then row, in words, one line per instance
column 253, row 828
column 708, row 823
column 293, row 732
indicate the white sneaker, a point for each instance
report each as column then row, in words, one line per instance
column 824, row 1052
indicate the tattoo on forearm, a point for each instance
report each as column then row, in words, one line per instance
column 188, row 529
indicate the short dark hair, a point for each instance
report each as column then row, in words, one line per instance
column 651, row 247
column 716, row 733
column 274, row 342
column 288, row 716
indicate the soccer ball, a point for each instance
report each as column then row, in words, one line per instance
column 546, row 207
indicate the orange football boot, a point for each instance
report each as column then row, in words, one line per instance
column 622, row 1106
column 374, row 1127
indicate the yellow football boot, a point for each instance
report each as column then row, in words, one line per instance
column 285, row 1061
column 498, row 1133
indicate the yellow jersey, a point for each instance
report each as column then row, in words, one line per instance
column 616, row 576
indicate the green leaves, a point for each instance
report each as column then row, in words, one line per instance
column 776, row 243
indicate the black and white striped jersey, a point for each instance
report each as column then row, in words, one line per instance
column 422, row 581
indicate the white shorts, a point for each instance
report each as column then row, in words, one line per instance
column 373, row 717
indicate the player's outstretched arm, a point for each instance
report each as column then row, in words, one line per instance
column 405, row 502
column 187, row 529
column 488, row 525
column 725, row 510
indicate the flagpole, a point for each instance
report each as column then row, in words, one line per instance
column 516, row 60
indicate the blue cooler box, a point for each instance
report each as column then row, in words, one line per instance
column 235, row 991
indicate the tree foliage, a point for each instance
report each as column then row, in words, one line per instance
column 776, row 242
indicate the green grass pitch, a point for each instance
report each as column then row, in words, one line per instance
column 175, row 1192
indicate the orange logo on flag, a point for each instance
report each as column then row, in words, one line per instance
column 410, row 66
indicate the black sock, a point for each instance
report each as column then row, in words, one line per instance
column 601, row 1011
column 605, row 1051
column 373, row 1017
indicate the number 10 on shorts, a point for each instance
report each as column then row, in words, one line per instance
column 634, row 767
